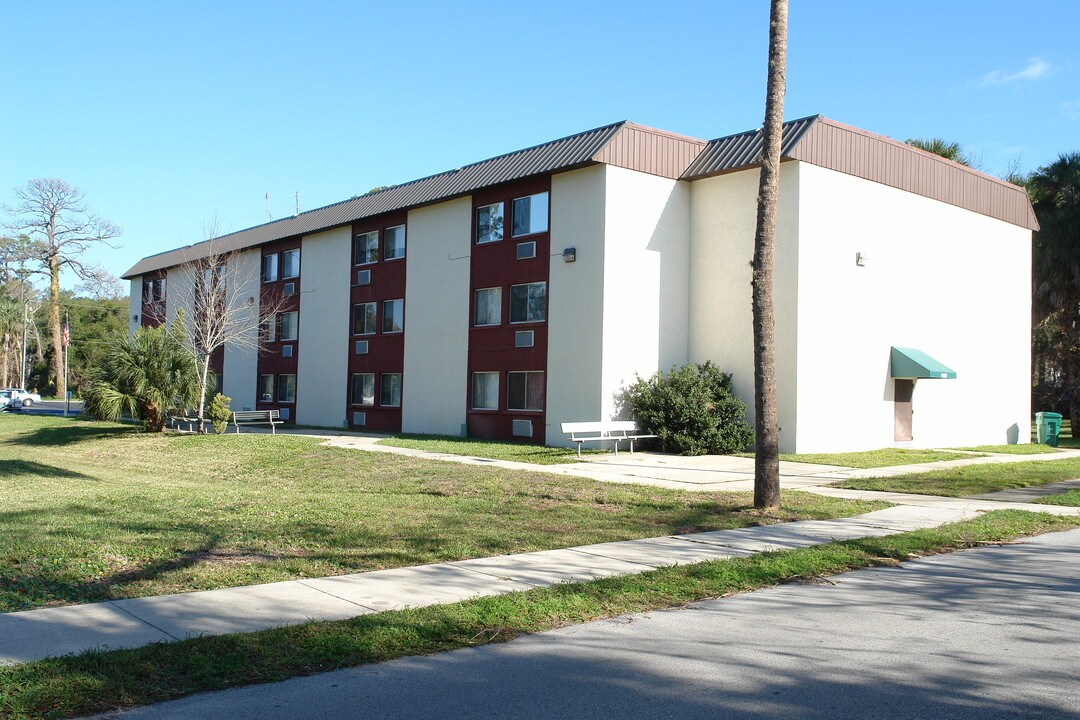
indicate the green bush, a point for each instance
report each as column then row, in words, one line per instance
column 219, row 412
column 692, row 410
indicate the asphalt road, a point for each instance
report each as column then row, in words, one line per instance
column 987, row 633
column 52, row 407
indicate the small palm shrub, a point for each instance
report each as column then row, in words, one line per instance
column 219, row 412
column 692, row 410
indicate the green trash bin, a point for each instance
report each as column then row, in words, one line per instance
column 1047, row 427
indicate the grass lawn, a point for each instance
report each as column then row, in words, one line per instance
column 886, row 457
column 972, row 479
column 98, row 681
column 475, row 447
column 1072, row 497
column 1029, row 449
column 94, row 511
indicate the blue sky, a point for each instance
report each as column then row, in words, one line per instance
column 169, row 114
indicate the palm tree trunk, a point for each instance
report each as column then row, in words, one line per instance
column 767, row 446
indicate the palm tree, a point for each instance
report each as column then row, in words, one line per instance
column 767, row 445
column 1055, row 195
column 948, row 150
column 145, row 376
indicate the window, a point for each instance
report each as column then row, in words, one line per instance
column 290, row 263
column 363, row 319
column 366, row 248
column 287, row 325
column 363, row 277
column 531, row 214
column 525, row 391
column 361, row 347
column 488, row 309
column 393, row 316
column 390, row 387
column 289, row 289
column 159, row 290
column 268, row 329
column 286, row 388
column 270, row 268
column 363, row 389
column 148, row 292
column 528, row 303
column 524, row 338
column 485, row 391
column 526, row 250
column 266, row 388
column 286, row 351
column 394, row 242
column 489, row 223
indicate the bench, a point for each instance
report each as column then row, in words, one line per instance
column 256, row 417
column 599, row 432
column 176, row 420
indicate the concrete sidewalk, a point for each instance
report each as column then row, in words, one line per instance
column 36, row 634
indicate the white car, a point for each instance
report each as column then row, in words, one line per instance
column 28, row 398
column 6, row 401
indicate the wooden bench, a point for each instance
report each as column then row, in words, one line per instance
column 256, row 417
column 599, row 432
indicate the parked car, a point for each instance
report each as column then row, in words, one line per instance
column 7, row 402
column 28, row 398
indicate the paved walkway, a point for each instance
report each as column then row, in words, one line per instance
column 1028, row 494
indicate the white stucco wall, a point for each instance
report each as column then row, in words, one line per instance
column 322, row 360
column 575, row 300
column 646, row 278
column 947, row 281
column 723, row 218
column 135, row 305
column 436, row 318
column 179, row 292
column 240, row 364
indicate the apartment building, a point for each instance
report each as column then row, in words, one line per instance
column 504, row 297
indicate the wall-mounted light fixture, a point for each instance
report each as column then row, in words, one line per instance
column 861, row 259
column 134, row 318
column 569, row 254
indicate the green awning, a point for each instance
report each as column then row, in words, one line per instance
column 912, row 363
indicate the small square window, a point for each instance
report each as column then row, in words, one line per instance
column 363, row 277
column 393, row 316
column 524, row 338
column 361, row 347
column 528, row 303
column 488, row 309
column 485, row 391
column 526, row 250
column 285, row 413
column 290, row 264
column 364, row 315
column 289, row 289
column 531, row 214
column 286, row 388
column 394, row 242
column 286, row 351
column 522, row 428
column 489, row 223
column 525, row 391
column 270, row 268
column 366, row 248
column 390, row 390
column 363, row 389
column 359, row 418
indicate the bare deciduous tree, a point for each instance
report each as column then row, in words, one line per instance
column 767, row 452
column 60, row 229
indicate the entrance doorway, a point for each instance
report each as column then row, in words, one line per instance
column 902, row 409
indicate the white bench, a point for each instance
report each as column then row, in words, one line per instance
column 256, row 417
column 176, row 420
column 599, row 432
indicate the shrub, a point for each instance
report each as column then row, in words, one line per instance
column 692, row 410
column 219, row 412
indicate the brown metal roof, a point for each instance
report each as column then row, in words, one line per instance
column 624, row 144
column 827, row 143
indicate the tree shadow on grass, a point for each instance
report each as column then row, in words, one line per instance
column 55, row 436
column 15, row 468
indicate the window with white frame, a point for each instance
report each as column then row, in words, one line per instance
column 286, row 388
column 390, row 389
column 485, row 391
column 270, row 268
column 489, row 223
column 488, row 310
column 394, row 242
column 530, row 214
column 363, row 389
column 290, row 263
column 393, row 316
column 525, row 391
column 363, row 318
column 528, row 302
column 366, row 248
column 266, row 388
column 268, row 329
column 288, row 325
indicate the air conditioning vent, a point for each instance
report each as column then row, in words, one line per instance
column 361, row 347
column 290, row 289
column 523, row 338
column 286, row 413
column 286, row 351
column 523, row 428
column 359, row 418
column 363, row 277
column 526, row 250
